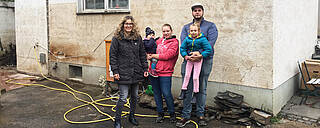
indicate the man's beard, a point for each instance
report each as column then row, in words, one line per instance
column 197, row 19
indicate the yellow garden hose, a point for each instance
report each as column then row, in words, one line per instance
column 92, row 102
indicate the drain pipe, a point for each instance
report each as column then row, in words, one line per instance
column 48, row 37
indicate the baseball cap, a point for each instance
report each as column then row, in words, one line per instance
column 196, row 5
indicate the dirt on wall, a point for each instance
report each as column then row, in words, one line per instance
column 69, row 53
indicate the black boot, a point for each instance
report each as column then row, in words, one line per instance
column 182, row 94
column 160, row 118
column 117, row 124
column 133, row 120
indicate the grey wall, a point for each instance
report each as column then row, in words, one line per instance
column 7, row 28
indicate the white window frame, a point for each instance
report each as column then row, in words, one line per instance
column 81, row 8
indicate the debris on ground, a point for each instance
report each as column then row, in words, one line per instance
column 45, row 108
column 231, row 109
column 261, row 117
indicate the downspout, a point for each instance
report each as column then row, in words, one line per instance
column 48, row 40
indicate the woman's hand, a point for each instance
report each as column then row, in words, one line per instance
column 145, row 74
column 116, row 76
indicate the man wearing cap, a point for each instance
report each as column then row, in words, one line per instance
column 210, row 31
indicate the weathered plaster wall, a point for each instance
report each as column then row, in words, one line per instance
column 31, row 28
column 7, row 32
column 244, row 47
column 318, row 17
column 295, row 33
column 243, row 50
column 77, row 36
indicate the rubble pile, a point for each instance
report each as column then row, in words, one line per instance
column 231, row 109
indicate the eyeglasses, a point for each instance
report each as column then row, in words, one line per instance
column 128, row 24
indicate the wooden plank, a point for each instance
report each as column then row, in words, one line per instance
column 316, row 82
column 314, row 72
column 108, row 44
column 311, row 81
column 312, row 60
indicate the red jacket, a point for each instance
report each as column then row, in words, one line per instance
column 168, row 51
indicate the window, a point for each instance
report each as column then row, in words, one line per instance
column 98, row 6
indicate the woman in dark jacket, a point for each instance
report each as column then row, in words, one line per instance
column 128, row 64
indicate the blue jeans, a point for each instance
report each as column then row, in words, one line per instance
column 124, row 90
column 161, row 86
column 202, row 94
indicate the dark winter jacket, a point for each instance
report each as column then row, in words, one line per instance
column 128, row 59
column 150, row 46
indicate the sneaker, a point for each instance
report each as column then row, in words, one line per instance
column 160, row 118
column 153, row 73
column 202, row 121
column 183, row 122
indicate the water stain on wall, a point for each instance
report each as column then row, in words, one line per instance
column 69, row 53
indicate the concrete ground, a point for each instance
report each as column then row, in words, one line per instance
column 39, row 107
column 308, row 112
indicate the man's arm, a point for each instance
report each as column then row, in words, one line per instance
column 184, row 33
column 212, row 35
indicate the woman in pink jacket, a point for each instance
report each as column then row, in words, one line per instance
column 167, row 55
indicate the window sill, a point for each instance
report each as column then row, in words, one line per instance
column 104, row 12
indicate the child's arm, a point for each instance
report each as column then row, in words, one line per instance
column 154, row 46
column 207, row 49
column 183, row 48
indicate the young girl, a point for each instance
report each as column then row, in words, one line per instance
column 194, row 43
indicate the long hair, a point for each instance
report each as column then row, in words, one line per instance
column 121, row 34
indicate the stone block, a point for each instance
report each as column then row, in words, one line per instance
column 261, row 117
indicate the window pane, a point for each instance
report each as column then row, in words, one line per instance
column 119, row 4
column 89, row 4
column 94, row 4
column 99, row 4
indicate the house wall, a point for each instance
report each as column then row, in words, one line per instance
column 255, row 54
column 31, row 29
column 245, row 28
column 7, row 32
column 295, row 34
